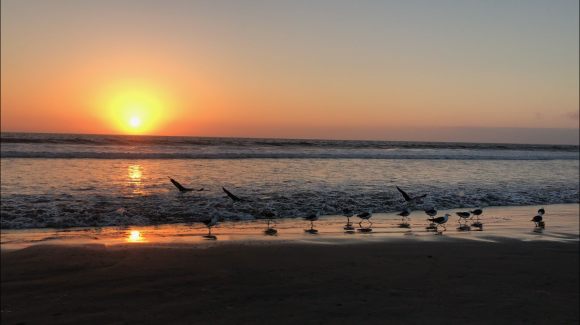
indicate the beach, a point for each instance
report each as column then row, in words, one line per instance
column 448, row 281
column 506, row 273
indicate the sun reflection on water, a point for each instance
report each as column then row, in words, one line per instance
column 136, row 237
column 135, row 176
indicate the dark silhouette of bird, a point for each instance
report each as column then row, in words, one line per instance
column 231, row 196
column 181, row 188
column 404, row 214
column 541, row 211
column 347, row 213
column 537, row 219
column 365, row 216
column 477, row 212
column 312, row 218
column 210, row 223
column 409, row 199
column 463, row 215
column 431, row 212
column 440, row 220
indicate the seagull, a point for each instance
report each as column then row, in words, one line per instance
column 463, row 215
column 537, row 219
column 231, row 196
column 181, row 188
column 440, row 220
column 477, row 212
column 365, row 216
column 431, row 212
column 347, row 213
column 541, row 211
column 312, row 218
column 210, row 223
column 405, row 214
column 407, row 198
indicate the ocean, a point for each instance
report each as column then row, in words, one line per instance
column 68, row 180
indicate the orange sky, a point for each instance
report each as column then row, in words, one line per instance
column 276, row 70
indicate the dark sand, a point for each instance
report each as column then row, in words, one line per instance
column 450, row 281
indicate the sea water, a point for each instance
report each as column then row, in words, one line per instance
column 64, row 180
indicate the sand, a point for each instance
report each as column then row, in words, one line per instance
column 405, row 281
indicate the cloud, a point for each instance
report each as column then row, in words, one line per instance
column 573, row 115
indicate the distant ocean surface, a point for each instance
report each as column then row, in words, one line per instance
column 64, row 180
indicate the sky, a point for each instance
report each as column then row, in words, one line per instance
column 485, row 71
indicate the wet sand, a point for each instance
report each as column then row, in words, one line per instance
column 508, row 272
column 451, row 281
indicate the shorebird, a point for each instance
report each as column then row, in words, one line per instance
column 537, row 219
column 181, row 188
column 405, row 214
column 231, row 196
column 431, row 212
column 210, row 223
column 409, row 199
column 440, row 220
column 365, row 216
column 477, row 212
column 312, row 218
column 347, row 213
column 541, row 211
column 463, row 215
column 272, row 215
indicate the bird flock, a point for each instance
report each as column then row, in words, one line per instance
column 435, row 222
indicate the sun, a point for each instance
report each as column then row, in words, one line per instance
column 134, row 122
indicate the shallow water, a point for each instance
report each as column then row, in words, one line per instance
column 499, row 224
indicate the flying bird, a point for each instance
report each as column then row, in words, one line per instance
column 440, row 220
column 231, row 196
column 312, row 218
column 365, row 216
column 181, row 188
column 407, row 197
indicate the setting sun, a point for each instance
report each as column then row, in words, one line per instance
column 134, row 122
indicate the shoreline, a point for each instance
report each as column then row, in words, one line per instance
column 499, row 223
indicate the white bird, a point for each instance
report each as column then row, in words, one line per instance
column 365, row 216
column 312, row 218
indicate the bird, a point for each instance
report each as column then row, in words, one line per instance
column 537, row 219
column 463, row 215
column 477, row 212
column 440, row 220
column 210, row 223
column 231, row 196
column 365, row 216
column 407, row 198
column 404, row 214
column 541, row 211
column 431, row 212
column 181, row 188
column 347, row 213
column 312, row 218
column 272, row 215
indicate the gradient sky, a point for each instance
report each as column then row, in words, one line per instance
column 292, row 69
